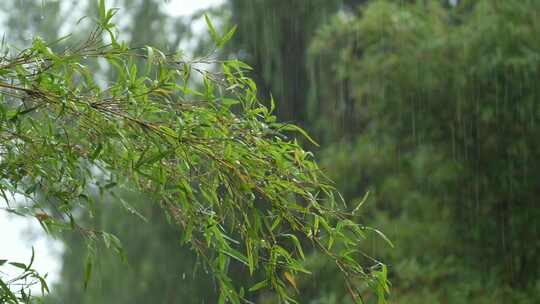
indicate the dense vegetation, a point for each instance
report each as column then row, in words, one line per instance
column 446, row 114
column 241, row 191
column 429, row 108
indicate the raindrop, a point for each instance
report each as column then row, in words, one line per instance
column 183, row 276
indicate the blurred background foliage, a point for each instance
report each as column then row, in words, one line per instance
column 430, row 107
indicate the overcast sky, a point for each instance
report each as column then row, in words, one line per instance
column 188, row 7
column 18, row 234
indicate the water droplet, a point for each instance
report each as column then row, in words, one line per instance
column 183, row 276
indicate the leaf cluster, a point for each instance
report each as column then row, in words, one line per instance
column 196, row 139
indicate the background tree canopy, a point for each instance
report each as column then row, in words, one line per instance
column 426, row 113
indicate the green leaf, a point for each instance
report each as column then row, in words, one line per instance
column 258, row 285
column 296, row 128
column 111, row 241
column 87, row 272
column 154, row 158
column 272, row 104
column 102, row 10
column 149, row 58
column 384, row 237
column 168, row 131
column 212, row 29
column 227, row 36
column 23, row 112
column 235, row 254
column 296, row 244
column 132, row 210
column 18, row 265
column 96, row 152
column 8, row 292
column 361, row 203
column 44, row 286
column 229, row 101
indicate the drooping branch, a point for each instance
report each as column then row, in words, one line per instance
column 211, row 153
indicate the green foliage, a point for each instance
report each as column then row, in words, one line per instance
column 217, row 162
column 16, row 289
column 155, row 268
column 436, row 113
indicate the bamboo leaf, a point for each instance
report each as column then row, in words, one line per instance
column 227, row 36
column 212, row 29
